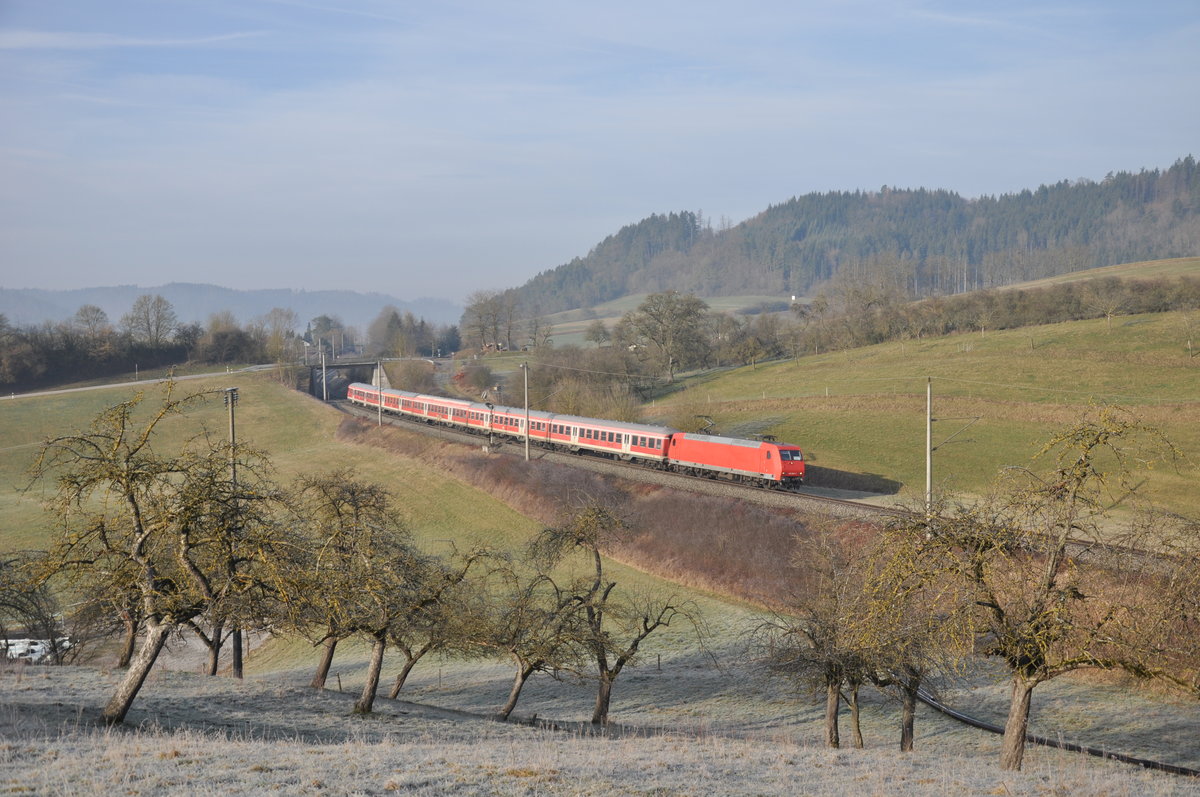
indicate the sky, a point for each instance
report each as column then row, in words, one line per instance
column 438, row 148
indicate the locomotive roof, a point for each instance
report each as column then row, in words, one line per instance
column 734, row 441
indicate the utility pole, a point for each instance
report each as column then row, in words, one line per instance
column 324, row 379
column 379, row 384
column 928, row 446
column 525, row 368
column 231, row 399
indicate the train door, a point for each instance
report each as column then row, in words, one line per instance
column 625, row 438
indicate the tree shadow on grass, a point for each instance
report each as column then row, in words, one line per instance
column 817, row 476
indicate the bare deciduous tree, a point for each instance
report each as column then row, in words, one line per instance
column 812, row 638
column 359, row 571
column 151, row 319
column 124, row 506
column 1059, row 578
column 612, row 630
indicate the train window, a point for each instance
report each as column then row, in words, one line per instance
column 768, row 455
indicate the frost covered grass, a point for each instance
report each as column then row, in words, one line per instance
column 189, row 733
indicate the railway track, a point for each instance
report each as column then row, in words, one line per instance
column 803, row 499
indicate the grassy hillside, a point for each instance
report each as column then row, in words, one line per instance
column 297, row 432
column 300, row 435
column 863, row 410
column 1147, row 269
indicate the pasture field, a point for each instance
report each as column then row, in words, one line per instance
column 863, row 410
column 1149, row 269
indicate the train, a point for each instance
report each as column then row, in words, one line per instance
column 761, row 463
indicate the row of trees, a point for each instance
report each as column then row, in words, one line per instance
column 670, row 332
column 500, row 321
column 1047, row 575
column 866, row 307
column 150, row 335
column 401, row 334
column 153, row 540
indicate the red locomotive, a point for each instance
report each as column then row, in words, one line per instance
column 759, row 462
column 751, row 461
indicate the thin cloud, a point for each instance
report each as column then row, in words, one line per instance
column 47, row 40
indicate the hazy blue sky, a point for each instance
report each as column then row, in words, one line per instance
column 433, row 148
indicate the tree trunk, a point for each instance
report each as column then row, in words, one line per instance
column 367, row 700
column 908, row 712
column 833, row 698
column 318, row 681
column 855, row 726
column 1013, row 749
column 236, row 652
column 152, row 644
column 402, row 677
column 131, row 632
column 603, row 697
column 523, row 673
column 214, row 647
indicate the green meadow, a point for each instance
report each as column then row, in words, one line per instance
column 863, row 410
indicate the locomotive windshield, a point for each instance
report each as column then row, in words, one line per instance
column 790, row 454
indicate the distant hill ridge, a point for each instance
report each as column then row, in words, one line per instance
column 196, row 302
column 930, row 241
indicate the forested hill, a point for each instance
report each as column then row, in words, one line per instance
column 930, row 241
